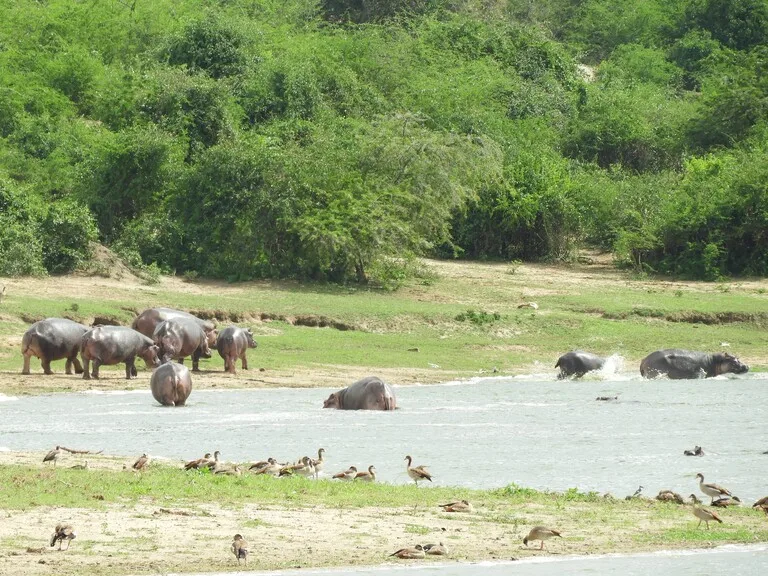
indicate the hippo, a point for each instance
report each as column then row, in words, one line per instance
column 233, row 343
column 53, row 339
column 180, row 337
column 370, row 393
column 171, row 384
column 577, row 363
column 147, row 322
column 114, row 344
column 686, row 364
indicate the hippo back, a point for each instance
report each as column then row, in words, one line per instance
column 370, row 393
column 149, row 319
column 171, row 384
column 687, row 364
column 577, row 363
column 55, row 337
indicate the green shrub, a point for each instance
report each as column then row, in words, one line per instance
column 68, row 230
column 209, row 44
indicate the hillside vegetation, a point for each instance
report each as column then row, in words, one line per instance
column 336, row 139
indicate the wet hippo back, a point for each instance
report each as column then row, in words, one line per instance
column 370, row 393
column 53, row 339
column 147, row 321
column 171, row 384
column 688, row 364
column 114, row 344
column 577, row 363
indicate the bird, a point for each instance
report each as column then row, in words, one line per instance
column 669, row 496
column 261, row 464
column 417, row 473
column 540, row 533
column 83, row 466
column 762, row 502
column 240, row 548
column 304, row 468
column 763, row 507
column 141, row 463
column 318, row 462
column 704, row 515
column 459, row 506
column 212, row 465
column 694, row 499
column 409, row 553
column 234, row 471
column 63, row 532
column 726, row 501
column 436, row 549
column 369, row 476
column 52, row 456
column 272, row 469
column 712, row 490
column 347, row 475
column 636, row 494
column 199, row 463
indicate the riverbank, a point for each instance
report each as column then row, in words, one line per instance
column 457, row 321
column 167, row 520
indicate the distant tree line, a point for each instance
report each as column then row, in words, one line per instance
column 336, row 139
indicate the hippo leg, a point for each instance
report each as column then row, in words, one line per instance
column 134, row 372
column 68, row 366
column 76, row 362
column 244, row 359
column 195, row 360
column 25, row 369
column 95, row 372
column 231, row 367
column 86, row 368
column 46, row 364
column 130, row 367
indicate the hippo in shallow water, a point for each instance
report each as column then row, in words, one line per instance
column 686, row 364
column 171, row 384
column 233, row 343
column 577, row 363
column 53, row 339
column 114, row 344
column 370, row 393
column 147, row 322
column 181, row 337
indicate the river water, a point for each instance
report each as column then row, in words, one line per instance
column 486, row 433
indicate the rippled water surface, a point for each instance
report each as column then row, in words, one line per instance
column 488, row 433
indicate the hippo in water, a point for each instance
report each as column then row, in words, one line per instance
column 233, row 343
column 171, row 384
column 685, row 364
column 147, row 322
column 577, row 363
column 53, row 339
column 180, row 337
column 370, row 393
column 114, row 344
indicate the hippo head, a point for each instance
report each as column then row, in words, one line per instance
column 151, row 355
column 205, row 351
column 210, row 337
column 249, row 336
column 332, row 401
column 729, row 363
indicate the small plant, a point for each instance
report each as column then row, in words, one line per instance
column 478, row 318
column 678, row 293
column 512, row 267
column 416, row 529
column 74, row 307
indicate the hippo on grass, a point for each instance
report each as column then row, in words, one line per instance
column 180, row 337
column 171, row 384
column 53, row 339
column 370, row 393
column 147, row 322
column 577, row 363
column 686, row 364
column 233, row 343
column 114, row 344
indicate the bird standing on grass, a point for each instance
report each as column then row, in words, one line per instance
column 52, row 456
column 418, row 472
column 240, row 548
column 141, row 463
column 199, row 463
column 347, row 475
column 704, row 515
column 61, row 533
column 369, row 476
column 540, row 533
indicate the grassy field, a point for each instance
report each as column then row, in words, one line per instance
column 461, row 320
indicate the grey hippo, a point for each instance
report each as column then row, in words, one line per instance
column 180, row 337
column 577, row 363
column 370, row 393
column 147, row 322
column 687, row 364
column 233, row 343
column 171, row 384
column 114, row 344
column 53, row 339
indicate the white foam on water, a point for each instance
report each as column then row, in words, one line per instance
column 114, row 392
column 4, row 398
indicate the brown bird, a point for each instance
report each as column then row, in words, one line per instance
column 261, row 464
column 199, row 463
column 409, row 553
column 63, row 532
column 725, row 502
column 234, row 471
column 694, row 499
column 271, row 469
column 705, row 515
column 459, row 506
column 540, row 533
column 417, row 473
column 83, row 466
column 762, row 502
column 141, row 463
column 240, row 548
column 369, row 476
column 669, row 496
column 436, row 549
column 213, row 465
column 304, row 468
column 52, row 456
column 712, row 490
column 347, row 475
column 763, row 507
column 319, row 462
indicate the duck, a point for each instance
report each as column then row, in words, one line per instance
column 697, row 451
column 435, row 549
column 459, row 506
column 256, row 466
column 212, row 465
column 63, row 532
column 694, row 499
column 669, row 496
column 541, row 533
column 417, row 473
column 409, row 553
column 271, row 469
column 199, row 463
column 305, row 468
column 240, row 548
column 318, row 462
column 704, row 515
column 725, row 502
column 52, row 456
column 712, row 490
column 83, row 466
column 762, row 502
column 369, row 476
column 141, row 463
column 348, row 474
column 234, row 471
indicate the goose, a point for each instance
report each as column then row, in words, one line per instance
column 669, row 496
column 417, row 473
column 234, row 471
column 83, row 466
column 141, row 463
column 694, row 499
column 725, row 501
column 199, row 463
column 705, row 515
column 409, row 553
column 271, row 469
column 347, row 475
column 712, row 490
column 52, row 456
column 318, row 462
column 540, row 533
column 369, row 476
column 261, row 464
column 305, row 468
column 63, row 532
column 762, row 502
column 212, row 465
column 460, row 506
column 436, row 549
column 240, row 548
